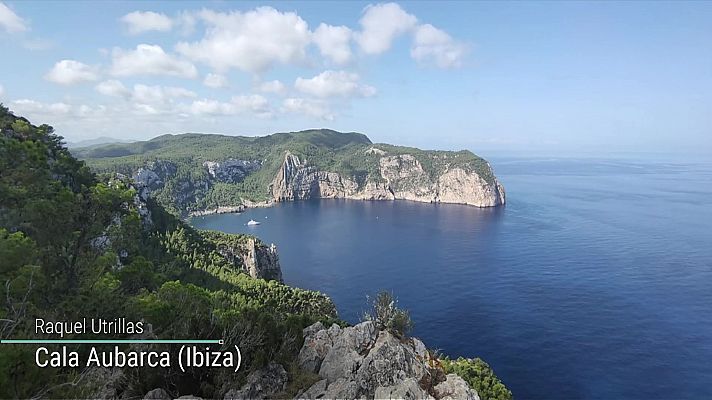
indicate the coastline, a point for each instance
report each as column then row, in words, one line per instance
column 231, row 209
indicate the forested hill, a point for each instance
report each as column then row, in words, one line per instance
column 197, row 172
column 74, row 246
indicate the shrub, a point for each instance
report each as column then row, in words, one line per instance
column 385, row 313
column 479, row 376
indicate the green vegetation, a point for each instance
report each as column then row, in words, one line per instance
column 343, row 153
column 384, row 312
column 479, row 376
column 77, row 245
column 74, row 245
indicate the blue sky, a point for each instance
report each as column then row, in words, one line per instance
column 494, row 77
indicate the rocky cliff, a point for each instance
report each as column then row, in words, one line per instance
column 400, row 176
column 195, row 174
column 360, row 362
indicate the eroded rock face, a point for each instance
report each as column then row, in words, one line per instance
column 455, row 388
column 401, row 177
column 297, row 181
column 261, row 384
column 256, row 259
column 362, row 362
column 261, row 261
column 157, row 394
column 154, row 174
column 408, row 389
column 231, row 171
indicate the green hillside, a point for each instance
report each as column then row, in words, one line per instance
column 74, row 246
column 343, row 153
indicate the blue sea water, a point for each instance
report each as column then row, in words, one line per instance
column 595, row 280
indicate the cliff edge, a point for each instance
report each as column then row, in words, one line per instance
column 397, row 177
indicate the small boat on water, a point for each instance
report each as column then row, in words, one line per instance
column 252, row 222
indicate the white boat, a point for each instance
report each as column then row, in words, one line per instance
column 252, row 222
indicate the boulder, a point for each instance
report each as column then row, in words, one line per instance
column 454, row 388
column 316, row 391
column 157, row 394
column 389, row 362
column 317, row 344
column 407, row 389
column 262, row 383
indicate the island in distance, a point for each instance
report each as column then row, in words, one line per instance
column 196, row 174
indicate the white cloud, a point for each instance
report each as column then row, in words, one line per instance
column 334, row 84
column 112, row 88
column 2, row 91
column 146, row 99
column 11, row 22
column 238, row 104
column 432, row 45
column 311, row 108
column 150, row 60
column 381, row 24
column 139, row 21
column 275, row 86
column 252, row 41
column 32, row 108
column 334, row 42
column 215, row 81
column 70, row 72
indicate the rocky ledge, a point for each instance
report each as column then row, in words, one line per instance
column 360, row 362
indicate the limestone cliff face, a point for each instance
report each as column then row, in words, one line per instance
column 297, row 181
column 400, row 176
column 256, row 259
column 231, row 171
column 261, row 261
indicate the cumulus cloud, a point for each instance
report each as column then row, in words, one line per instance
column 70, row 72
column 311, row 108
column 275, row 86
column 334, row 84
column 381, row 24
column 334, row 42
column 215, row 81
column 434, row 46
column 2, row 91
column 253, row 41
column 158, row 95
column 32, row 108
column 144, row 21
column 149, row 59
column 113, row 88
column 11, row 22
column 238, row 104
column 147, row 99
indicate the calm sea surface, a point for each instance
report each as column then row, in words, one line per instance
column 595, row 280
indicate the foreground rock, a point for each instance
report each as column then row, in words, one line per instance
column 363, row 362
column 262, row 383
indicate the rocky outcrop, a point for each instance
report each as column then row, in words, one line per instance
column 298, row 181
column 157, row 394
column 361, row 361
column 231, row 171
column 154, row 174
column 254, row 258
column 261, row 261
column 261, row 384
column 400, row 177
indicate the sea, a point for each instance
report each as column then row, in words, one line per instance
column 593, row 282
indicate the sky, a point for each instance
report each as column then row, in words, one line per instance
column 495, row 77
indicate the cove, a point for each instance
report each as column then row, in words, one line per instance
column 592, row 282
